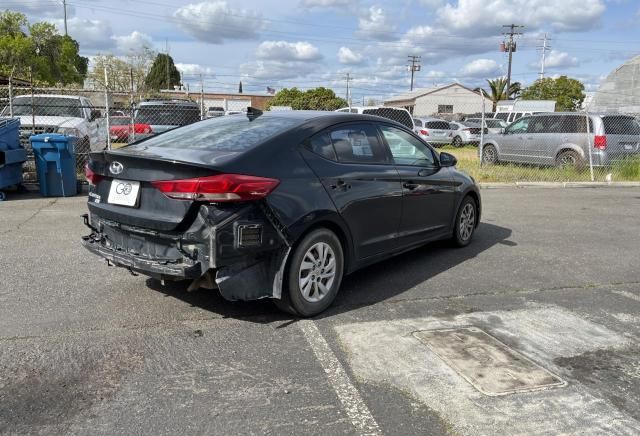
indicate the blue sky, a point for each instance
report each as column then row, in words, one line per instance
column 309, row 43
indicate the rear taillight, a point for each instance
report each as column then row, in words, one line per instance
column 220, row 188
column 424, row 132
column 600, row 142
column 91, row 175
column 143, row 128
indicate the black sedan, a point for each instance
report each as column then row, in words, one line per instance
column 277, row 205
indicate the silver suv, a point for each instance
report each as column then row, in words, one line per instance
column 561, row 139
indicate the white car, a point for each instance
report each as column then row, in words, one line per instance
column 397, row 114
column 435, row 131
column 65, row 114
column 493, row 125
column 464, row 133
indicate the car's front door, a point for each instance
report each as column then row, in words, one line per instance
column 365, row 187
column 511, row 142
column 428, row 190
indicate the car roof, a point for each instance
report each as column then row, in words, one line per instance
column 329, row 117
column 71, row 97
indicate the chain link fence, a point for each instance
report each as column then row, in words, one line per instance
column 492, row 147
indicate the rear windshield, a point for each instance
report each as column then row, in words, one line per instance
column 493, row 123
column 401, row 117
column 621, row 125
column 438, row 125
column 167, row 115
column 119, row 121
column 234, row 134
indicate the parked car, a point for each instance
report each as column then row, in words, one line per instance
column 397, row 114
column 121, row 129
column 275, row 205
column 65, row 114
column 435, row 131
column 492, row 125
column 464, row 133
column 163, row 115
column 215, row 111
column 561, row 139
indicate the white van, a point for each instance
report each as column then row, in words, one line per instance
column 512, row 110
column 397, row 114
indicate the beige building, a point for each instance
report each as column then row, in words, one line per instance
column 441, row 100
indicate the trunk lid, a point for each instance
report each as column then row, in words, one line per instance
column 138, row 166
column 623, row 136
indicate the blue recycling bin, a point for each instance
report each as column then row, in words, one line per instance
column 55, row 158
column 12, row 155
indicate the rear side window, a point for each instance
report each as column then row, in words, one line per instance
column 321, row 144
column 442, row 125
column 400, row 116
column 502, row 116
column 572, row 124
column 621, row 125
column 417, row 122
column 357, row 143
column 233, row 134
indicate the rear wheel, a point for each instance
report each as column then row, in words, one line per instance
column 569, row 158
column 489, row 154
column 314, row 274
column 466, row 221
column 457, row 142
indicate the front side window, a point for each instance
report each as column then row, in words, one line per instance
column 357, row 143
column 417, row 122
column 405, row 149
column 438, row 125
column 519, row 126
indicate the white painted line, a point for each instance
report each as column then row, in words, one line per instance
column 628, row 295
column 352, row 402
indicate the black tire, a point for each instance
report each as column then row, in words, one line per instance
column 463, row 228
column 569, row 158
column 457, row 142
column 294, row 299
column 489, row 154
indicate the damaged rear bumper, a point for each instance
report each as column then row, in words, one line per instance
column 245, row 251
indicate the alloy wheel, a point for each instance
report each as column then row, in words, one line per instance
column 317, row 272
column 467, row 221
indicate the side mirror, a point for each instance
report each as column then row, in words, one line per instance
column 447, row 160
column 95, row 113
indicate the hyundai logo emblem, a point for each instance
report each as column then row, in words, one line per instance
column 116, row 167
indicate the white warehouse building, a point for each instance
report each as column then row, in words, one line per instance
column 441, row 100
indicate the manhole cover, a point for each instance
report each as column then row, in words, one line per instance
column 489, row 365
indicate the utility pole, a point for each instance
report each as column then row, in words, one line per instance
column 544, row 47
column 511, row 47
column 64, row 7
column 414, row 65
column 348, row 91
column 202, row 113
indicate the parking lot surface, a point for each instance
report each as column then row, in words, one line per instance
column 551, row 282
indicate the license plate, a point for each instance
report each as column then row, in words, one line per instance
column 628, row 147
column 123, row 192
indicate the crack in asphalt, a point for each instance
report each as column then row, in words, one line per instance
column 181, row 322
column 32, row 216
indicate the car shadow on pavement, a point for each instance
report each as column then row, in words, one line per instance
column 369, row 286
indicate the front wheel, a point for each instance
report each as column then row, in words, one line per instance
column 466, row 221
column 314, row 274
column 457, row 142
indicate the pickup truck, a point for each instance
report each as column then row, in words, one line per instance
column 66, row 114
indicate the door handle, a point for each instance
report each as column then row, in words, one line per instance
column 410, row 186
column 341, row 185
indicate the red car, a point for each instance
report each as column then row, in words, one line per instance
column 120, row 128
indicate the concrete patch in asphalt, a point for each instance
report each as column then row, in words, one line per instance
column 489, row 365
column 388, row 352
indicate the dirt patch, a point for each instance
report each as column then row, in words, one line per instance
column 612, row 373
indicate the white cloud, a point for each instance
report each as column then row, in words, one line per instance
column 277, row 70
column 349, row 57
column 327, row 3
column 42, row 8
column 374, row 23
column 480, row 17
column 215, row 21
column 432, row 4
column 134, row 41
column 288, row 51
column 557, row 59
column 480, row 68
column 91, row 34
column 193, row 69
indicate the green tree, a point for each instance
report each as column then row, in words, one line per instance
column 312, row 99
column 240, row 88
column 54, row 59
column 568, row 93
column 498, row 88
column 163, row 73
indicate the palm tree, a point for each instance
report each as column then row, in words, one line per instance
column 498, row 90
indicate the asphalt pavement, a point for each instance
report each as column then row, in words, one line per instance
column 552, row 280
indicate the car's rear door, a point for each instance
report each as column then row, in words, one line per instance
column 355, row 169
column 428, row 190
